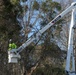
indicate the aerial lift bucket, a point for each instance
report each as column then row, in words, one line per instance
column 13, row 57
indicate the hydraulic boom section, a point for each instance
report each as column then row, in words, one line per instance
column 70, row 62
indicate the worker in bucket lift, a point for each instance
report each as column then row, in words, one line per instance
column 12, row 45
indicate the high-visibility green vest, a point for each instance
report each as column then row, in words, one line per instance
column 12, row 46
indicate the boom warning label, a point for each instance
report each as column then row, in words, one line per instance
column 56, row 19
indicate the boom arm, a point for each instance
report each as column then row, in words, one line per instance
column 30, row 40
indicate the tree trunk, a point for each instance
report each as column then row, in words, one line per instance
column 31, row 71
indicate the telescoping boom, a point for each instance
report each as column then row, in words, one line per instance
column 13, row 54
column 30, row 40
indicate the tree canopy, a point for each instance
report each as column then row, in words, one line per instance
column 17, row 23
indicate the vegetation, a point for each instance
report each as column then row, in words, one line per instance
column 47, row 70
column 39, row 58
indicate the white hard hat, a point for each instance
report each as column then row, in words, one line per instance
column 10, row 40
